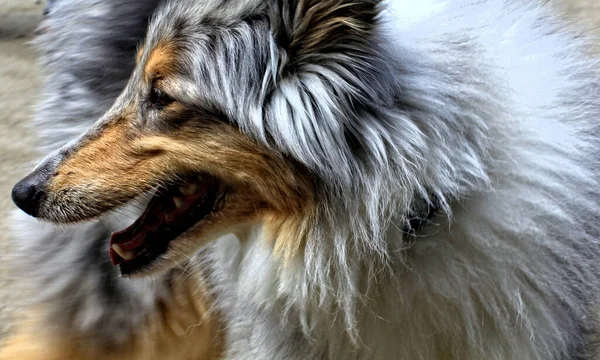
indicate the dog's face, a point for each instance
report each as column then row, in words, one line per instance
column 189, row 132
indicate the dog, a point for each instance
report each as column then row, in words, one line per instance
column 311, row 179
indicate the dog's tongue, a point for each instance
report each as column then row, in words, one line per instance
column 124, row 243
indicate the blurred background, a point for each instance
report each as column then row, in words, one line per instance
column 20, row 80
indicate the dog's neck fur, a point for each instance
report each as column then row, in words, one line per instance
column 453, row 138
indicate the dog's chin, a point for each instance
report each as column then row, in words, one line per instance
column 170, row 227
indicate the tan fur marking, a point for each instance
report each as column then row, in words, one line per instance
column 94, row 158
column 223, row 151
column 160, row 61
column 122, row 163
column 104, row 171
column 183, row 329
column 288, row 233
column 140, row 53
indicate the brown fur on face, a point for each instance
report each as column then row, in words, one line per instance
column 131, row 153
column 122, row 162
column 160, row 61
column 102, row 173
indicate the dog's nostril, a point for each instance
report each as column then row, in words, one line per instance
column 27, row 193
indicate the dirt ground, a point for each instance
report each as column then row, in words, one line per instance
column 20, row 79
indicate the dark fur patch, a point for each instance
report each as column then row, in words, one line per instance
column 310, row 29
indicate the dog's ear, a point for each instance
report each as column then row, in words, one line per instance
column 313, row 30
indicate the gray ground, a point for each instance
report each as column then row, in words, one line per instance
column 20, row 78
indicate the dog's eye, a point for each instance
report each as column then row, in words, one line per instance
column 158, row 99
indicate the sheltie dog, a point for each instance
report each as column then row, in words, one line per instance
column 311, row 179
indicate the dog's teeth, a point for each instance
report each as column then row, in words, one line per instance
column 179, row 203
column 189, row 189
column 125, row 254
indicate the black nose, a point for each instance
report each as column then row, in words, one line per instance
column 29, row 191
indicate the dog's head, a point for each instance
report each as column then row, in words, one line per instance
column 238, row 113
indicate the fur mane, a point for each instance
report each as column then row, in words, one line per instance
column 455, row 134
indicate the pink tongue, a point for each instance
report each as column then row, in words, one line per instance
column 128, row 245
column 132, row 244
column 134, row 236
column 136, row 242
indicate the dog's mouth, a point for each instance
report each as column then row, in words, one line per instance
column 169, row 214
